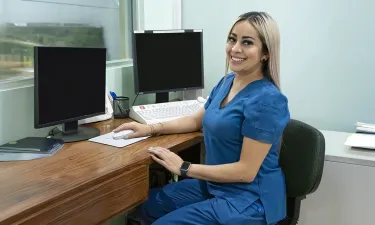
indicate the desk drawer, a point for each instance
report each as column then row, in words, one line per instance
column 96, row 204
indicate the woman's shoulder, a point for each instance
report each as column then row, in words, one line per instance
column 270, row 95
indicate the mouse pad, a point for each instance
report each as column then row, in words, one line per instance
column 108, row 140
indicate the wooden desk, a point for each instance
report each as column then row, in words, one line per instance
column 84, row 183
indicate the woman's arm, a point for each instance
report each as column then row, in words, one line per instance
column 245, row 170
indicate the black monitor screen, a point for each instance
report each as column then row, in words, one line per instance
column 69, row 84
column 168, row 61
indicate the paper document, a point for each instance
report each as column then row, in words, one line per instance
column 108, row 140
column 361, row 141
column 365, row 128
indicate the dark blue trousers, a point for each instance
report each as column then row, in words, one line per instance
column 188, row 202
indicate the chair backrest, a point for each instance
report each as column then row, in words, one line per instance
column 302, row 158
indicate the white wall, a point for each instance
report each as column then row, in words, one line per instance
column 326, row 54
column 168, row 18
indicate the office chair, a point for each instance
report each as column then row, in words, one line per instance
column 302, row 160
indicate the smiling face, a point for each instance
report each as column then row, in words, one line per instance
column 244, row 49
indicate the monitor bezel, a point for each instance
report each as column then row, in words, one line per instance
column 37, row 123
column 135, row 65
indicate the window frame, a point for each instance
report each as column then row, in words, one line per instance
column 126, row 26
column 133, row 11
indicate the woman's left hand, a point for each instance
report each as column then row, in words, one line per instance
column 170, row 160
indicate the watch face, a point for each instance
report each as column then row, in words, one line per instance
column 185, row 166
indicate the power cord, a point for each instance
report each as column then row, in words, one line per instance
column 135, row 100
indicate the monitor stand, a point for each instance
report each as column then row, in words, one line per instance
column 71, row 132
column 162, row 97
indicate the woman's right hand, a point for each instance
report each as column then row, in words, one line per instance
column 140, row 130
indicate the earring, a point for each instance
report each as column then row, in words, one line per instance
column 263, row 60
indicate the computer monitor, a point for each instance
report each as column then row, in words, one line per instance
column 167, row 60
column 69, row 85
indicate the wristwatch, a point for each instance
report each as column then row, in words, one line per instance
column 184, row 168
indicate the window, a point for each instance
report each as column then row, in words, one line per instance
column 86, row 23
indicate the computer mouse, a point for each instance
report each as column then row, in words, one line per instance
column 201, row 99
column 121, row 134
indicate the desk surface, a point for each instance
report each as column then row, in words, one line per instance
column 69, row 185
column 336, row 151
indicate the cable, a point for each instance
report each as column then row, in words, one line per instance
column 134, row 100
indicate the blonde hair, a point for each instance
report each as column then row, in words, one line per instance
column 269, row 35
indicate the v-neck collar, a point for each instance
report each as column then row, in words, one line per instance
column 228, row 85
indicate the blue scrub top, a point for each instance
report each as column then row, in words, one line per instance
column 260, row 112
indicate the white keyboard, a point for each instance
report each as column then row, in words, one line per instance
column 161, row 112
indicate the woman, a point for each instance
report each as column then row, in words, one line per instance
column 242, row 122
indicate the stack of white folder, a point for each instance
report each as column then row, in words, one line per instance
column 365, row 128
column 364, row 138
